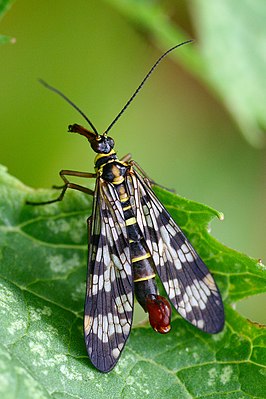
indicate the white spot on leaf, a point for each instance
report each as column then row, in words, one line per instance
column 70, row 373
column 59, row 264
column 226, row 374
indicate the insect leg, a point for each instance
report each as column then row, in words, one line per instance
column 147, row 179
column 66, row 172
column 126, row 158
column 68, row 184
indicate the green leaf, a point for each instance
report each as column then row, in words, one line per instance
column 6, row 39
column 4, row 7
column 238, row 275
column 228, row 57
column 152, row 17
column 232, row 36
column 43, row 252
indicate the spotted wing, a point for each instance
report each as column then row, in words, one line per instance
column 109, row 296
column 186, row 279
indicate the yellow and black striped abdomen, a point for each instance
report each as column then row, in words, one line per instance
column 142, row 261
column 114, row 172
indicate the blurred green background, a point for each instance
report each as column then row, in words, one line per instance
column 177, row 128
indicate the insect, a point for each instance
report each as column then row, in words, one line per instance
column 132, row 238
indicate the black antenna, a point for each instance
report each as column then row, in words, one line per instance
column 69, row 102
column 142, row 83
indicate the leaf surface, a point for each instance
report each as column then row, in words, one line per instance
column 43, row 252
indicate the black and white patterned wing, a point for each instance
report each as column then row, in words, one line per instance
column 186, row 279
column 109, row 296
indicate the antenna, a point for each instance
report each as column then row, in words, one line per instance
column 69, row 102
column 142, row 83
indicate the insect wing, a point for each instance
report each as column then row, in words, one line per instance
column 109, row 296
column 186, row 279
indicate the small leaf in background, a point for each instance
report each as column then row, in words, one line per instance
column 152, row 17
column 4, row 7
column 43, row 255
column 229, row 56
column 232, row 39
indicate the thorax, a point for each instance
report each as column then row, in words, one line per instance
column 110, row 169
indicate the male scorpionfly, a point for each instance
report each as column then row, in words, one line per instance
column 132, row 238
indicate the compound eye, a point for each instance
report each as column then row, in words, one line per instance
column 111, row 142
column 104, row 145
